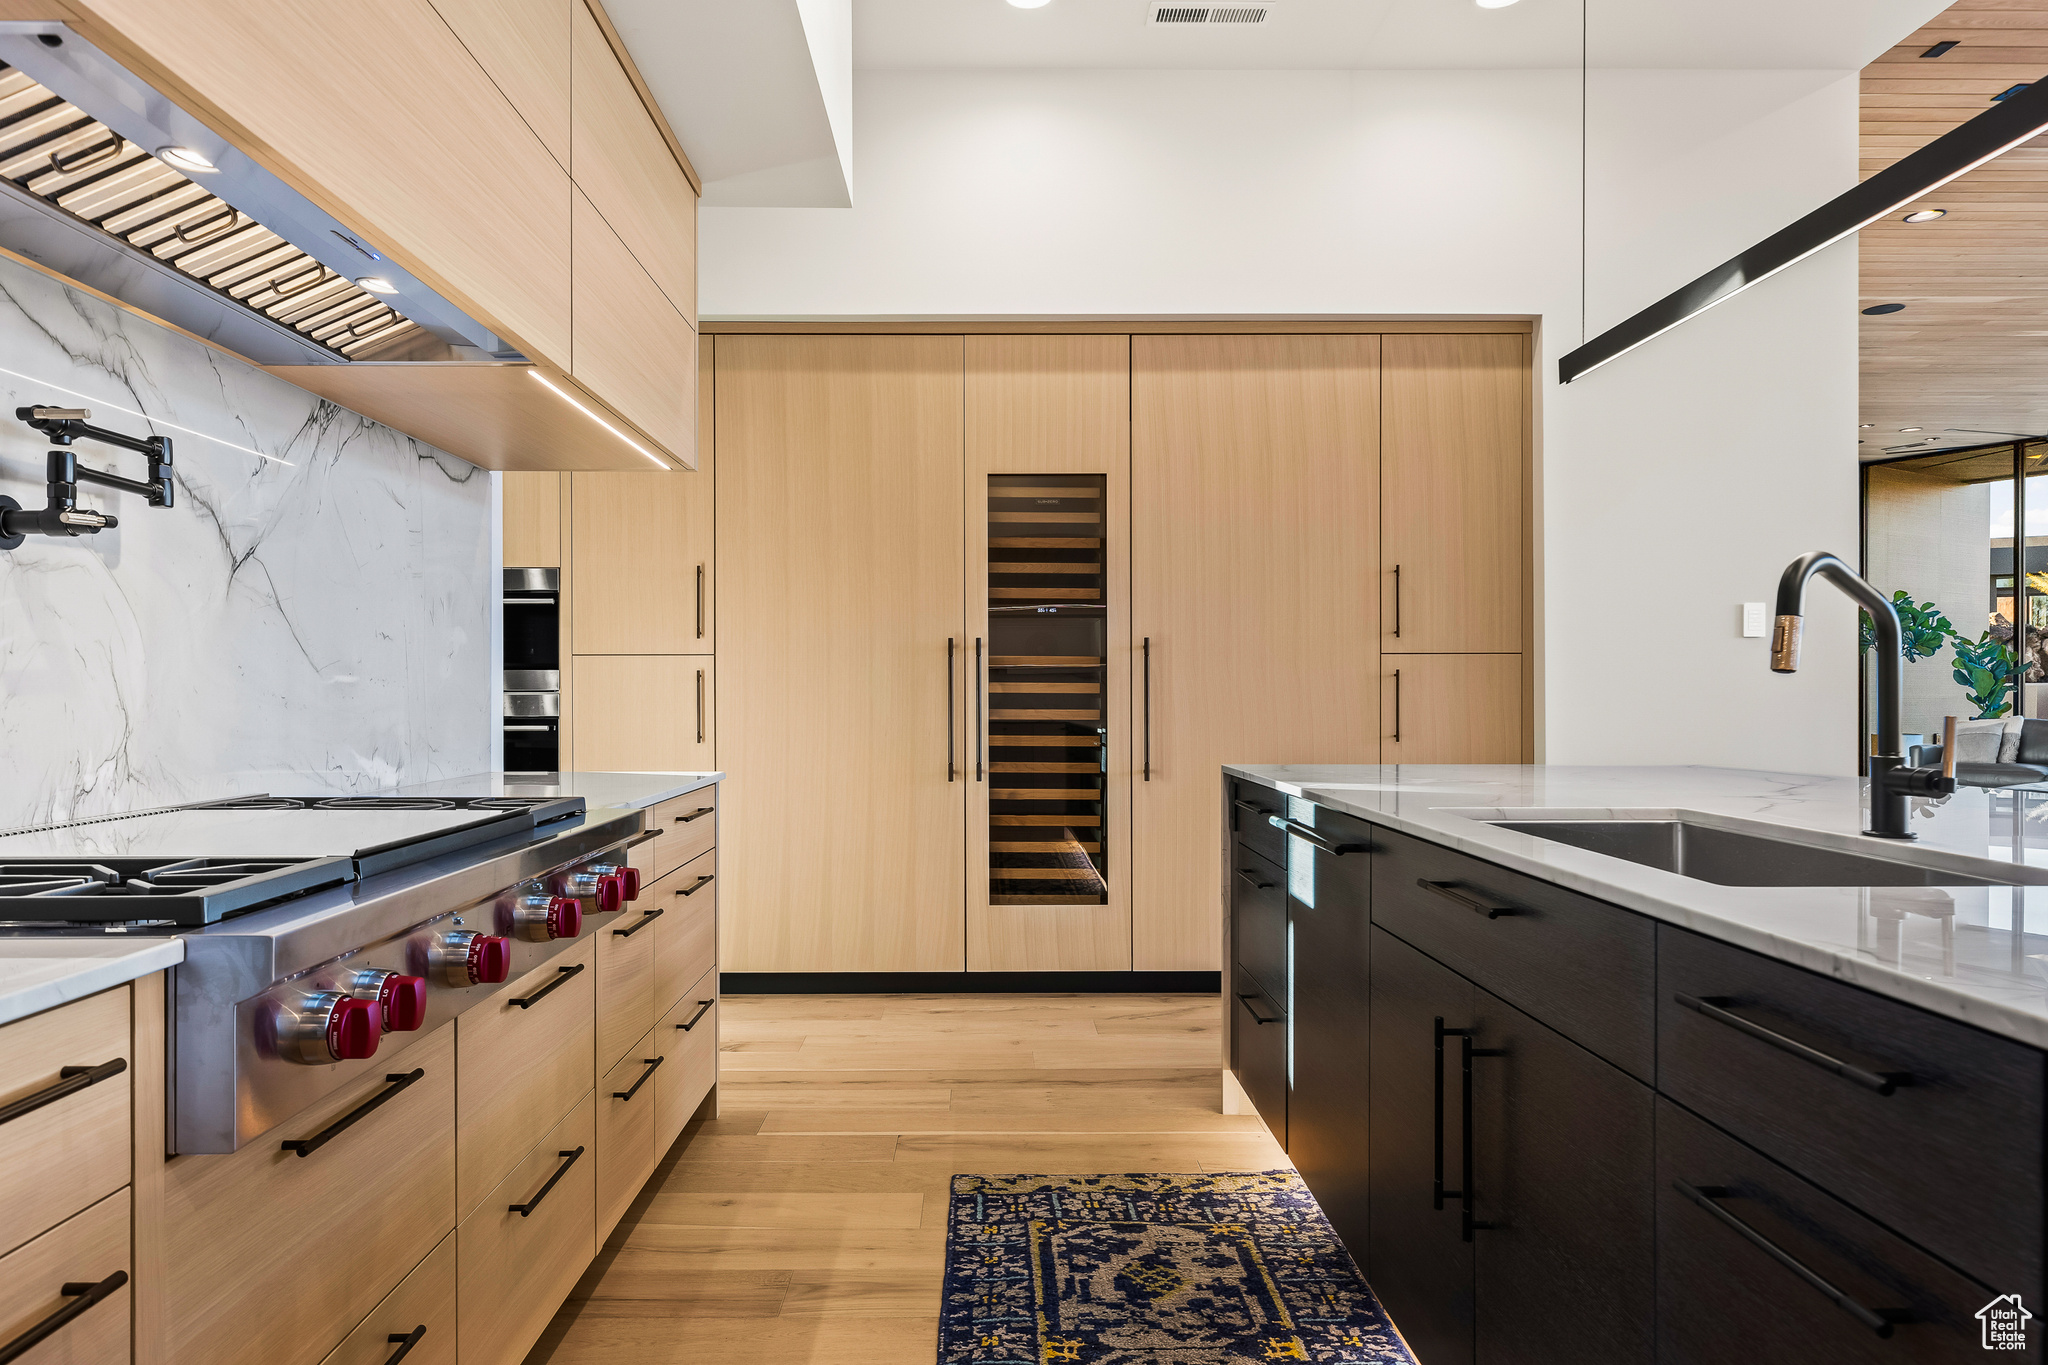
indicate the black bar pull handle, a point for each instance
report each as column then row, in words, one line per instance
column 395, row 1082
column 700, row 601
column 1880, row 1321
column 702, row 1007
column 709, row 877
column 1252, row 879
column 1249, row 1008
column 647, row 917
column 1715, row 1007
column 1309, row 834
column 697, row 814
column 526, row 1210
column 404, row 1341
column 1397, row 706
column 1397, row 621
column 561, row 979
column 980, row 709
column 82, row 1295
column 71, row 1080
column 952, row 764
column 700, row 706
column 1450, row 891
column 1148, row 708
column 651, row 1063
column 1259, row 811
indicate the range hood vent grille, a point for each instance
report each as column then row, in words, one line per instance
column 1167, row 15
column 59, row 154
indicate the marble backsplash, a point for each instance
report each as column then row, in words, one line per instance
column 320, row 618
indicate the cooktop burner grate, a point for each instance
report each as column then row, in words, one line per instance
column 184, row 891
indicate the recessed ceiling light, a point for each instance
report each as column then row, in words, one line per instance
column 1029, row 4
column 1495, row 4
column 1912, row 428
column 376, row 284
column 1865, row 426
column 184, row 158
column 1884, row 308
column 1924, row 215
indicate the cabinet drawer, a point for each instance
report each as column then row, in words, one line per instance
column 627, row 1097
column 1968, row 1126
column 515, row 1269
column 521, row 1066
column 625, row 979
column 690, row 1033
column 689, row 828
column 686, row 938
column 1259, row 1052
column 1723, row 1298
column 1250, row 807
column 422, row 1309
column 56, row 1159
column 86, row 1249
column 1258, row 910
column 384, row 1188
column 1585, row 968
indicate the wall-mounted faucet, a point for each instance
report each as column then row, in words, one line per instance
column 63, row 516
column 1891, row 782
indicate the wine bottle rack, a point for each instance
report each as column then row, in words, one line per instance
column 1047, row 719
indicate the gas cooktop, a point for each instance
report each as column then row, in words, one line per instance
column 158, row 871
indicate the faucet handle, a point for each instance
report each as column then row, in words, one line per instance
column 1948, row 747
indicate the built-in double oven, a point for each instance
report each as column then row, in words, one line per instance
column 533, row 670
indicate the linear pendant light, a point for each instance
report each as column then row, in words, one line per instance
column 1995, row 131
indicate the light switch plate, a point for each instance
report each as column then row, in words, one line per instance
column 1752, row 620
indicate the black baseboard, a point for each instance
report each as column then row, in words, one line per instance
column 967, row 983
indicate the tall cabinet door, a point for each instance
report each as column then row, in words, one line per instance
column 1048, row 598
column 641, row 546
column 1254, row 555
column 1452, row 708
column 1452, row 549
column 843, row 714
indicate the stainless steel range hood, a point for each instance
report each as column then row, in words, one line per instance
column 106, row 182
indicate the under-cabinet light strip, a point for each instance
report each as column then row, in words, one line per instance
column 1955, row 153
column 667, row 468
column 155, row 421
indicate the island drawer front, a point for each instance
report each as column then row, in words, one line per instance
column 423, row 1299
column 1583, row 967
column 60, row 1156
column 1251, row 805
column 688, row 825
column 1258, row 908
column 521, row 1066
column 627, row 1097
column 686, row 935
column 1723, row 1298
column 1952, row 1160
column 514, row 1270
column 384, row 1187
column 1259, row 1052
column 84, row 1249
column 625, row 979
column 689, row 1034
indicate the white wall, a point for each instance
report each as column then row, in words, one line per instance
column 1674, row 483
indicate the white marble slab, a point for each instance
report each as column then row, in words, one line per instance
column 1978, row 954
column 42, row 973
column 320, row 619
column 598, row 790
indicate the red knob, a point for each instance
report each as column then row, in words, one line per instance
column 490, row 959
column 353, row 1027
column 610, row 894
column 403, row 1000
column 565, row 917
column 629, row 882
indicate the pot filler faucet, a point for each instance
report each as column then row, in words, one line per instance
column 1891, row 782
column 64, row 517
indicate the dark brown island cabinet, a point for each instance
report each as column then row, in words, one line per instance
column 1556, row 1132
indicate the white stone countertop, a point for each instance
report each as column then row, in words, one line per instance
column 37, row 974
column 1974, row 953
column 598, row 790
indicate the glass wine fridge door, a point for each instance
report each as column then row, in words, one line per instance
column 1045, row 661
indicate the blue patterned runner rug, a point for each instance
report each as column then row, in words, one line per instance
column 1151, row 1270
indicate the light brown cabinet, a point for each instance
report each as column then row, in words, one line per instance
column 521, row 1251
column 56, row 1159
column 1452, row 708
column 631, row 347
column 643, row 712
column 1254, row 495
column 421, row 1311
column 533, row 521
column 842, row 623
column 524, row 47
column 86, row 1248
column 643, row 567
column 626, row 1103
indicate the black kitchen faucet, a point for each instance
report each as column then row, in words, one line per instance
column 64, row 517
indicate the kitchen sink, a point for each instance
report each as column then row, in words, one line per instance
column 1713, row 853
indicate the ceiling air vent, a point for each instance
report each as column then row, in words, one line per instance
column 1160, row 14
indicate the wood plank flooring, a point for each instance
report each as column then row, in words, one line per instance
column 806, row 1224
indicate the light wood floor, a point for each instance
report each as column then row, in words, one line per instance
column 807, row 1223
